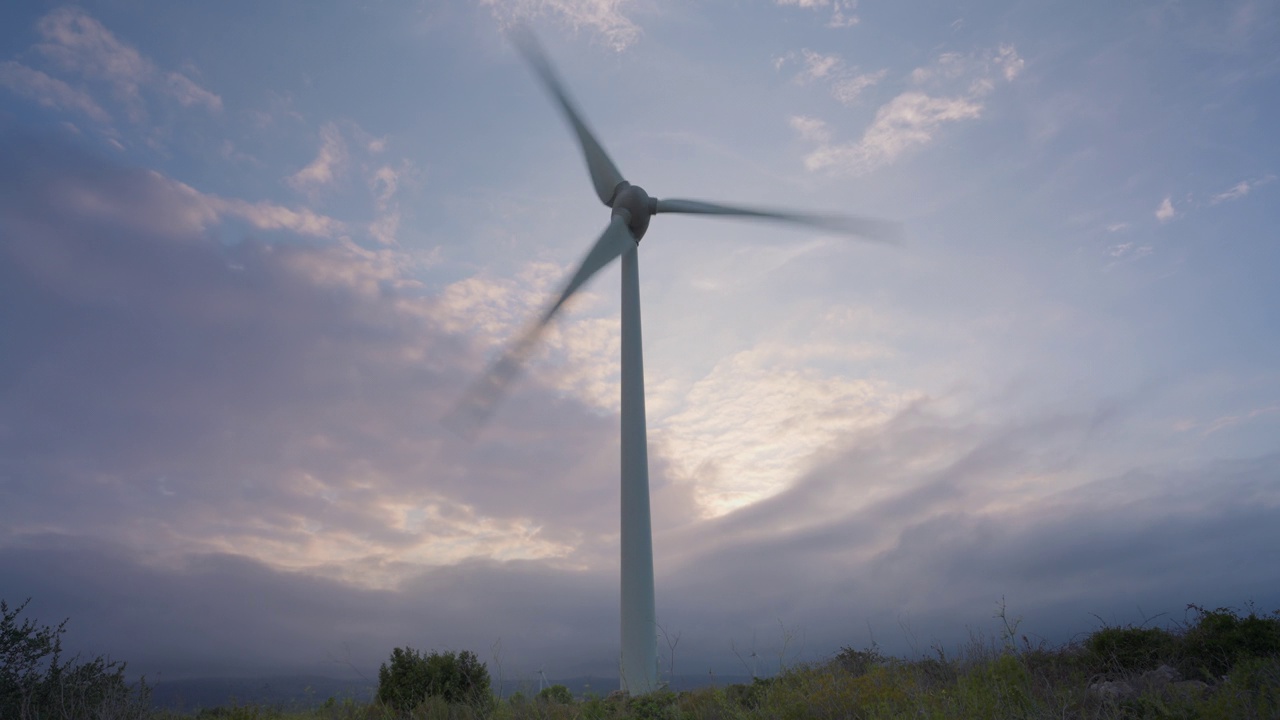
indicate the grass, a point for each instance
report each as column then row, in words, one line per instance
column 1227, row 665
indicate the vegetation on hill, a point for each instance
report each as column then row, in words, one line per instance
column 1220, row 663
column 37, row 683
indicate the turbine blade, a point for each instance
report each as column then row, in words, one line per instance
column 475, row 407
column 614, row 241
column 604, row 174
column 865, row 227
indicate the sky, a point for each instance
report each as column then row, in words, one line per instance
column 251, row 253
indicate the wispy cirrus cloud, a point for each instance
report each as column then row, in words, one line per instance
column 384, row 184
column 267, row 215
column 147, row 202
column 849, row 89
column 908, row 121
column 1228, row 421
column 49, row 91
column 845, row 82
column 189, row 94
column 1166, row 212
column 605, row 18
column 1240, row 189
column 950, row 90
column 841, row 10
column 1224, row 422
column 77, row 43
column 329, row 161
column 1126, row 252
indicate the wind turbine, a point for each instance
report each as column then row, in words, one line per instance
column 631, row 209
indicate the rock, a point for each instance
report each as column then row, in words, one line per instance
column 1113, row 690
column 1192, row 689
column 1160, row 677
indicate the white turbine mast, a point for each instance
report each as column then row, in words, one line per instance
column 630, row 211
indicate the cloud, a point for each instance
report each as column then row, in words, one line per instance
column 922, row 501
column 1129, row 251
column 908, row 121
column 847, row 90
column 187, row 93
column 298, row 387
column 49, row 91
column 741, row 432
column 268, row 216
column 604, row 17
column 80, row 44
column 912, row 119
column 1229, row 421
column 846, row 83
column 818, row 66
column 1010, row 64
column 810, row 129
column 384, row 183
column 1240, row 189
column 1126, row 252
column 329, row 160
column 1165, row 212
column 757, row 419
column 144, row 201
column 237, row 442
column 841, row 10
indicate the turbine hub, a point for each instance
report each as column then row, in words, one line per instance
column 638, row 206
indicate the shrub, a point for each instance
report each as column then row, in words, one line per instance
column 707, row 703
column 36, row 682
column 452, row 677
column 1220, row 638
column 859, row 662
column 558, row 694
column 657, row 705
column 752, row 696
column 1252, row 690
column 1129, row 649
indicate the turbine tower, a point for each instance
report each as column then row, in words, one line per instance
column 631, row 209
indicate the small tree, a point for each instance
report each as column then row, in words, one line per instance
column 411, row 677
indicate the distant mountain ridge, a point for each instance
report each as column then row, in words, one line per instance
column 284, row 691
column 303, row 692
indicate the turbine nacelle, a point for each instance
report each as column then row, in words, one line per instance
column 637, row 206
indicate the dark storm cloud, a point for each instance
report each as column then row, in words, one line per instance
column 183, row 420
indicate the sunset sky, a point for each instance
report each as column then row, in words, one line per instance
column 252, row 252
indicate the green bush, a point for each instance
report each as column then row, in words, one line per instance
column 859, row 662
column 557, row 694
column 1130, row 649
column 452, row 677
column 750, row 696
column 657, row 705
column 1220, row 638
column 1252, row 690
column 35, row 682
